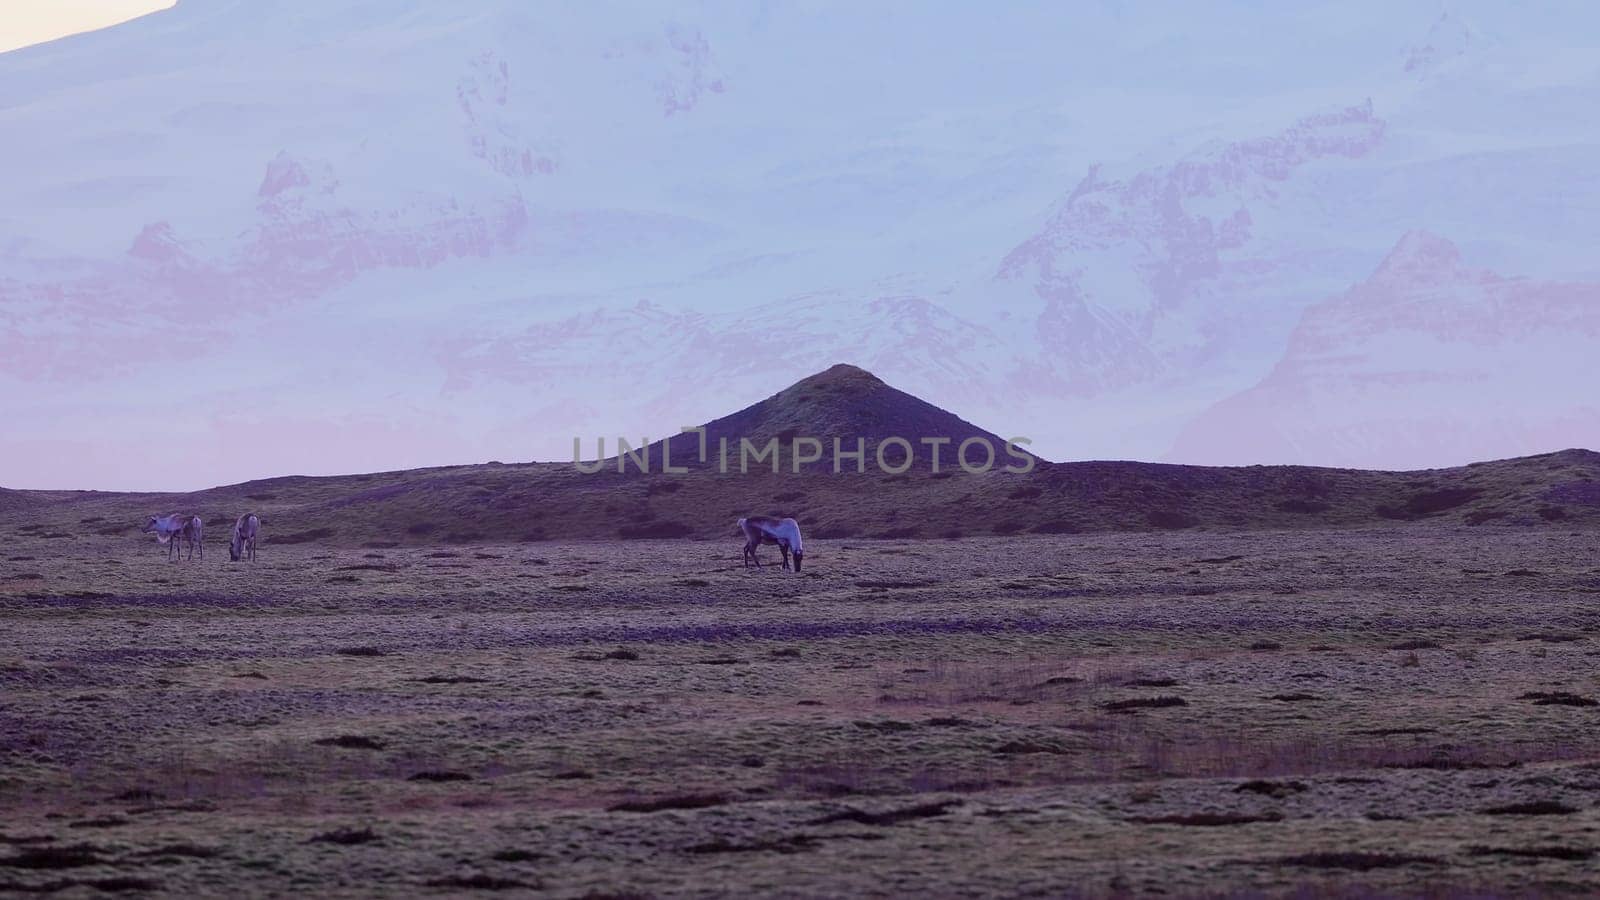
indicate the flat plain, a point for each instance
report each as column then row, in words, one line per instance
column 1400, row 710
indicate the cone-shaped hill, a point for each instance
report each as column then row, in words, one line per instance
column 495, row 502
column 844, row 407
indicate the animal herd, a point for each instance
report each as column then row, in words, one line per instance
column 172, row 530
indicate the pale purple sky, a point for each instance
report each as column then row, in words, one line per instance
column 246, row 238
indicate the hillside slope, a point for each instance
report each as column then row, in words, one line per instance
column 844, row 404
column 1427, row 359
column 554, row 501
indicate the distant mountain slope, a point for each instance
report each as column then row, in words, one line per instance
column 554, row 501
column 1145, row 276
column 13, row 501
column 1427, row 359
column 678, row 358
column 512, row 222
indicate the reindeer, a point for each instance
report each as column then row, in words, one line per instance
column 243, row 543
column 173, row 528
column 760, row 530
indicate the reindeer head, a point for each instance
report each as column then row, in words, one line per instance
column 149, row 524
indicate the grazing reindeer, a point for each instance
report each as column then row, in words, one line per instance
column 195, row 533
column 244, row 537
column 760, row 530
column 171, row 529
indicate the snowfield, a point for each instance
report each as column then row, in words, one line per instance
column 415, row 234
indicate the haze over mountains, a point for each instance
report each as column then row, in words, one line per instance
column 250, row 238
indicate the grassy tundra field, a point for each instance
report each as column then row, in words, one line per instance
column 1403, row 709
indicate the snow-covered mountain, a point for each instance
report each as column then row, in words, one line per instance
column 1160, row 272
column 1428, row 362
column 248, row 237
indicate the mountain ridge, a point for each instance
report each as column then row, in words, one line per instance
column 840, row 409
column 498, row 502
column 472, row 199
column 1426, row 353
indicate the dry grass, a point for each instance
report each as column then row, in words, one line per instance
column 1062, row 715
